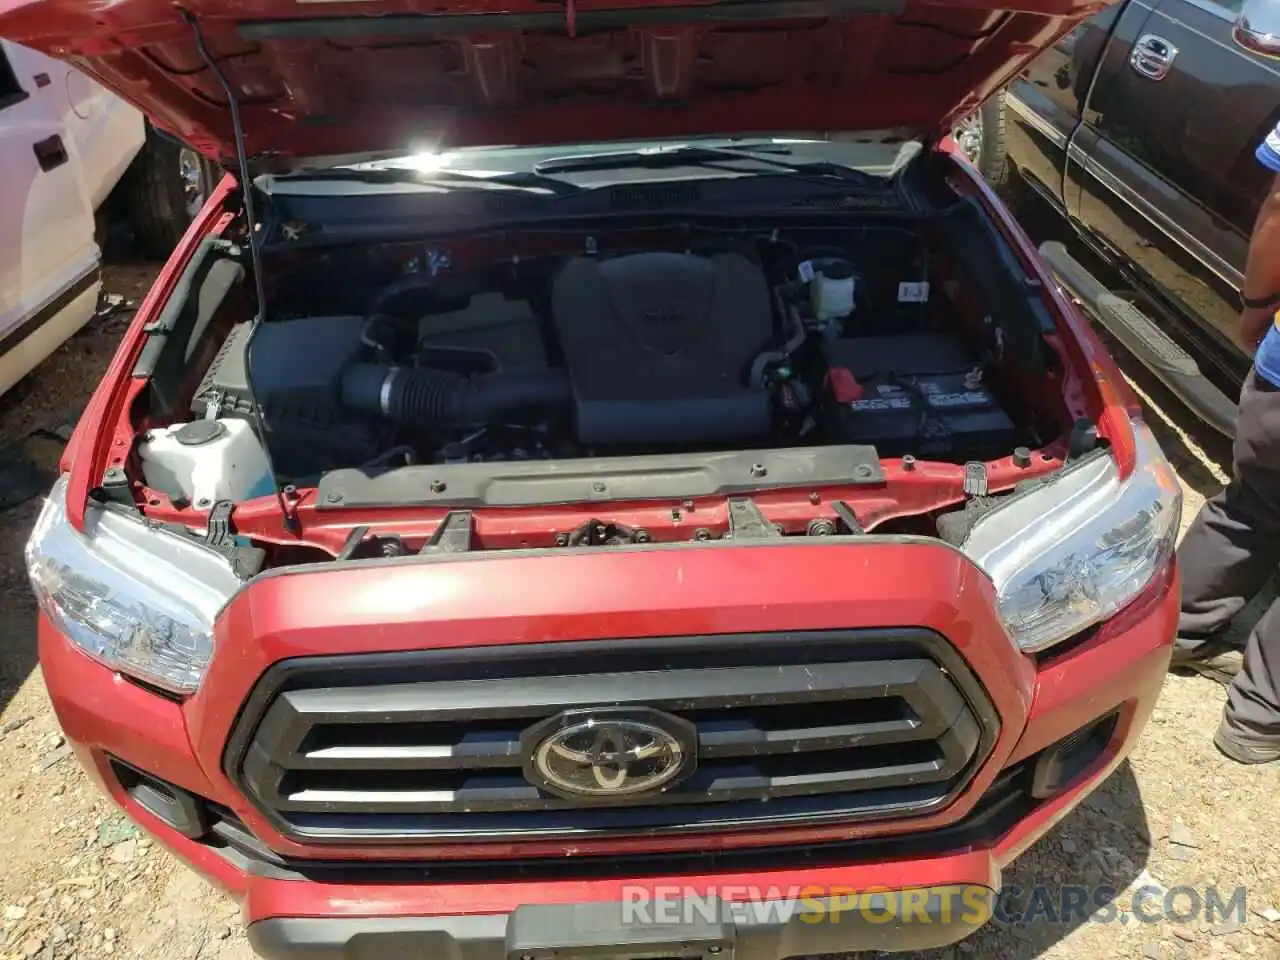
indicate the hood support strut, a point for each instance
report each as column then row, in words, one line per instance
column 291, row 523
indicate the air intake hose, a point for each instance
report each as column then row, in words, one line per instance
column 424, row 397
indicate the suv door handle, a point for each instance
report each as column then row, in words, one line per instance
column 50, row 152
column 1152, row 56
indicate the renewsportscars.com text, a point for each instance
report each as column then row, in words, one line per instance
column 969, row 904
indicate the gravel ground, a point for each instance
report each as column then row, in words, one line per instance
column 78, row 881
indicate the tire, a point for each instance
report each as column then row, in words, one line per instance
column 165, row 188
column 982, row 139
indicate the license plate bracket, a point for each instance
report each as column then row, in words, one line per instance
column 616, row 931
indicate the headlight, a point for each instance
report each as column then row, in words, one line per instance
column 1073, row 552
column 139, row 599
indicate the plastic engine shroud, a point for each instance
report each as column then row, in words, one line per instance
column 658, row 345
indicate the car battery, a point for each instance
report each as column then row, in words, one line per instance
column 915, row 394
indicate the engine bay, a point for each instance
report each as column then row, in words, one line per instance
column 688, row 381
column 734, row 344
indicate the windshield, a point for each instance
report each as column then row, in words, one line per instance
column 627, row 162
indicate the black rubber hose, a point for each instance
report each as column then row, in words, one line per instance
column 416, row 281
column 424, row 397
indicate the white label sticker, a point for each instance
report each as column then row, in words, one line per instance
column 934, row 396
column 881, row 403
column 947, row 401
column 805, row 270
column 913, row 291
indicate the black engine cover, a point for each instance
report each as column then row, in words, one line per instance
column 659, row 346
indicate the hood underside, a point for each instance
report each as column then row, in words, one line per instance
column 316, row 79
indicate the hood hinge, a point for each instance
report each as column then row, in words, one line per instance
column 235, row 199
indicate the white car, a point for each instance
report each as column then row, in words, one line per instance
column 65, row 146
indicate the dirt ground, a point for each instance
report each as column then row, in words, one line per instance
column 79, row 882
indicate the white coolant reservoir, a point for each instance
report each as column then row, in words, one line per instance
column 206, row 461
column 832, row 289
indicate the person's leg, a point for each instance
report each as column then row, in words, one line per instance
column 1250, row 730
column 1233, row 546
column 1225, row 559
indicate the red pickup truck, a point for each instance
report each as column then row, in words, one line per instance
column 598, row 480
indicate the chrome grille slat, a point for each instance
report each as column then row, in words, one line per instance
column 790, row 728
column 471, row 752
column 754, row 741
column 490, row 791
column 714, row 741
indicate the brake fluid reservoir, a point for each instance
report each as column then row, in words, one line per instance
column 205, row 461
column 832, row 289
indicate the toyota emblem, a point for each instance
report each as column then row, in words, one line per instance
column 610, row 753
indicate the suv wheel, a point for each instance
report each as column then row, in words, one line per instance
column 167, row 185
column 981, row 139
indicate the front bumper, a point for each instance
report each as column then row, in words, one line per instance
column 698, row 927
column 790, row 888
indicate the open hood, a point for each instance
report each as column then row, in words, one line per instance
column 318, row 78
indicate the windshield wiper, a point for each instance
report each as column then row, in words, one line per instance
column 729, row 159
column 531, row 181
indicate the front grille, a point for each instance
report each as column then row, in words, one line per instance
column 795, row 728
